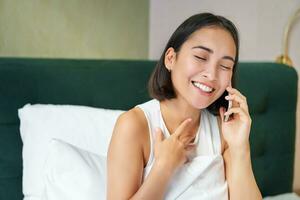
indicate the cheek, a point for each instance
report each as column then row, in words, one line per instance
column 194, row 68
column 191, row 72
column 187, row 70
column 225, row 79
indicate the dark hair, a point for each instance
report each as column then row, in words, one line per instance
column 160, row 84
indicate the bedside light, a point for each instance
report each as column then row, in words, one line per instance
column 284, row 58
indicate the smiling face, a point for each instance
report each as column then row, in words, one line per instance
column 203, row 67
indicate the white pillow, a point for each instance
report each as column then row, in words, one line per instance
column 85, row 127
column 74, row 174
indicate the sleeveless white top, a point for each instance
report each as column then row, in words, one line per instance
column 203, row 177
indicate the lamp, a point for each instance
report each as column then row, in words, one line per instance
column 284, row 58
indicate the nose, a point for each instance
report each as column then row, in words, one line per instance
column 210, row 72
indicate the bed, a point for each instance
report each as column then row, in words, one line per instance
column 271, row 91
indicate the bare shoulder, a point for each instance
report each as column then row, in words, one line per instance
column 133, row 118
column 125, row 159
column 130, row 126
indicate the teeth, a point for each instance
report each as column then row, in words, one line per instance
column 203, row 87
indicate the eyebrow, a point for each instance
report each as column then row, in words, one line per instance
column 211, row 51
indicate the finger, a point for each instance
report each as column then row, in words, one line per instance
column 242, row 102
column 182, row 127
column 187, row 139
column 235, row 91
column 238, row 110
column 190, row 147
column 191, row 139
column 159, row 137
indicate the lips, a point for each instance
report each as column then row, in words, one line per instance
column 204, row 87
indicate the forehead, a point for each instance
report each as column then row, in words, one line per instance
column 215, row 38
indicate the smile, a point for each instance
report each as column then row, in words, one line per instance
column 203, row 87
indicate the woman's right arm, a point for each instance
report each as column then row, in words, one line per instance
column 125, row 161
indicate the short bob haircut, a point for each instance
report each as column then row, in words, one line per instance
column 160, row 85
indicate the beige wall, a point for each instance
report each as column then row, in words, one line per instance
column 74, row 28
column 260, row 23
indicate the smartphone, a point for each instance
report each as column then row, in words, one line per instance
column 226, row 117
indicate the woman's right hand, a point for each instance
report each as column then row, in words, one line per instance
column 172, row 152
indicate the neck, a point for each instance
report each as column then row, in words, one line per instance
column 175, row 111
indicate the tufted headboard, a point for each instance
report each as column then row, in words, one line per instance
column 271, row 91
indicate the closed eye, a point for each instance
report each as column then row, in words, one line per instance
column 200, row 58
column 225, row 68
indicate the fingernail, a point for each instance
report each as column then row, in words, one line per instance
column 189, row 119
column 156, row 129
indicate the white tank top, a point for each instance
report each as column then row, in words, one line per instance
column 203, row 177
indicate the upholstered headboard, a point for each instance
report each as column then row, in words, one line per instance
column 271, row 90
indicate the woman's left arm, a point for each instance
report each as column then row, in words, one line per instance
column 235, row 132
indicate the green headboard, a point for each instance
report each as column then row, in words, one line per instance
column 271, row 91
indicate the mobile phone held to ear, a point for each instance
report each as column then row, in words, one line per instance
column 226, row 117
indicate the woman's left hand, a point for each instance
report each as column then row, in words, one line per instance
column 236, row 131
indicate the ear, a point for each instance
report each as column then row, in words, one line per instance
column 170, row 58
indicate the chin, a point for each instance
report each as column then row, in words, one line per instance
column 200, row 104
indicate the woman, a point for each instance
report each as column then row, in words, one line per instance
column 178, row 145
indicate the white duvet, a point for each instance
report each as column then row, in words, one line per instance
column 287, row 196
